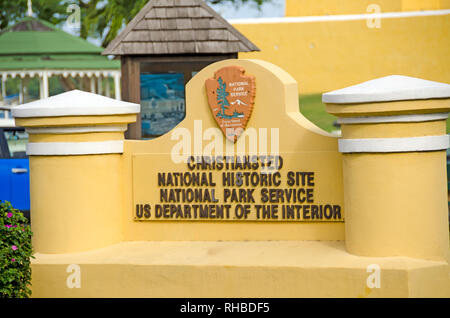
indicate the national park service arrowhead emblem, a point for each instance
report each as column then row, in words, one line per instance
column 231, row 96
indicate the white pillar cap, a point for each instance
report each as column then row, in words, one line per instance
column 389, row 88
column 75, row 103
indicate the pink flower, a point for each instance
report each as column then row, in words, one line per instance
column 13, row 259
column 9, row 215
column 8, row 226
column 14, row 247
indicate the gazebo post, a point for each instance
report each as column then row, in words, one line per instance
column 43, row 87
column 3, row 86
column 92, row 84
column 99, row 85
column 117, row 85
column 46, row 88
column 21, row 91
column 108, row 88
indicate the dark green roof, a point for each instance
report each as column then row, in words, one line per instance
column 33, row 43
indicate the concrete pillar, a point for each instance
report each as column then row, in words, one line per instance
column 394, row 145
column 76, row 144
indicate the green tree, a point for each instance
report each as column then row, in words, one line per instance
column 100, row 19
column 53, row 11
column 106, row 22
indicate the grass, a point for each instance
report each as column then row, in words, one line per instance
column 312, row 108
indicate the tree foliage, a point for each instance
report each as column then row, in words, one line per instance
column 15, row 253
column 53, row 11
column 101, row 19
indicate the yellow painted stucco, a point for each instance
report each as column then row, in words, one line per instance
column 75, row 120
column 76, row 137
column 327, row 55
column 396, row 203
column 389, row 108
column 72, row 210
column 295, row 8
column 394, row 209
column 235, row 269
column 394, row 130
column 413, row 196
column 77, row 199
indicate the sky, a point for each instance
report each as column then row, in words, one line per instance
column 272, row 8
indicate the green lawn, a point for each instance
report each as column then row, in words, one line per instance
column 312, row 108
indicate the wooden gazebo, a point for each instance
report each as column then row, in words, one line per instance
column 171, row 36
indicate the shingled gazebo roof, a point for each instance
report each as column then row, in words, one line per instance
column 178, row 27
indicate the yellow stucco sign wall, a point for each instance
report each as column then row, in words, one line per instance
column 281, row 170
column 259, row 179
column 158, row 214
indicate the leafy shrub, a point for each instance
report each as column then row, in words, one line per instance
column 15, row 253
